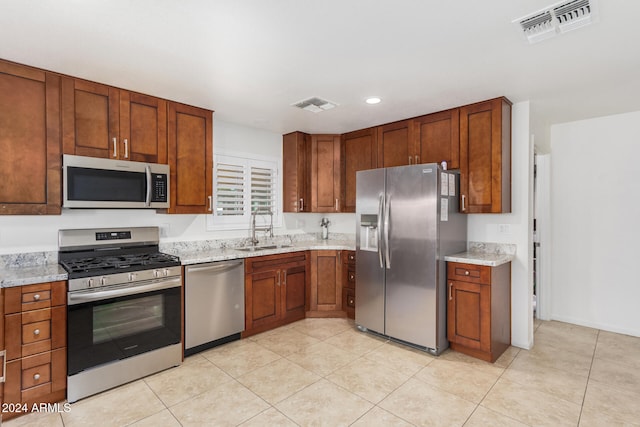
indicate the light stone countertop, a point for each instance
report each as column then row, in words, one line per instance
column 489, row 254
column 18, row 276
column 200, row 256
column 26, row 269
column 479, row 258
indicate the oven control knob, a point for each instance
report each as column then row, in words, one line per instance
column 156, row 273
column 103, row 281
column 165, row 273
column 132, row 277
column 90, row 283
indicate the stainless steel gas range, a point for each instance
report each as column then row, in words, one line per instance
column 124, row 307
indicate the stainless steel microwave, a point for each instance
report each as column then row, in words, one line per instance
column 90, row 182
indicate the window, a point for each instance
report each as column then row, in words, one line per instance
column 242, row 185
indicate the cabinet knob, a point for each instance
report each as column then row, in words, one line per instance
column 36, row 297
column 36, row 377
column 466, row 272
column 36, row 332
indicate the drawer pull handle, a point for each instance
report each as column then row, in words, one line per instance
column 36, row 377
column 450, row 293
column 466, row 272
column 36, row 332
column 36, row 297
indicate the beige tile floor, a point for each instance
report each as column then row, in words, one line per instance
column 323, row 372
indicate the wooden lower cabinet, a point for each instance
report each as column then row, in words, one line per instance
column 275, row 291
column 349, row 283
column 479, row 309
column 34, row 332
column 325, row 287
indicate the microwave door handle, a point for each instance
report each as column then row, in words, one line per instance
column 147, row 170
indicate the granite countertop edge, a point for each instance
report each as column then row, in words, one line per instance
column 30, row 275
column 480, row 258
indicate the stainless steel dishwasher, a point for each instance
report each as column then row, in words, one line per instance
column 214, row 304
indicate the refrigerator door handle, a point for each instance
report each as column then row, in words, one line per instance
column 379, row 230
column 387, row 214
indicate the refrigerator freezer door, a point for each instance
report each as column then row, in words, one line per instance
column 411, row 288
column 369, row 270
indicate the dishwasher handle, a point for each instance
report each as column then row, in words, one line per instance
column 215, row 267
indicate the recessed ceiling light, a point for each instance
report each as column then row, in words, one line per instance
column 373, row 100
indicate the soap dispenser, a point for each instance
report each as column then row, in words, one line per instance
column 324, row 223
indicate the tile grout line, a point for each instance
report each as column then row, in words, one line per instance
column 489, row 391
column 593, row 357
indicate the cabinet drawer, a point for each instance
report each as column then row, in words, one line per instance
column 36, row 378
column 349, row 257
column 351, row 278
column 350, row 300
column 34, row 297
column 469, row 273
column 35, row 331
column 36, row 375
column 274, row 262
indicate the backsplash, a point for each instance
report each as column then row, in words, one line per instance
column 28, row 259
column 492, row 248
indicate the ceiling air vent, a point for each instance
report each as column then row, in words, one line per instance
column 556, row 19
column 315, row 104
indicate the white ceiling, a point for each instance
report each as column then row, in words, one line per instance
column 250, row 59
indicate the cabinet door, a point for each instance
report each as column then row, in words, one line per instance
column 485, row 157
column 437, row 138
column 190, row 153
column 30, row 169
column 263, row 303
column 359, row 152
column 326, row 281
column 296, row 181
column 469, row 315
column 143, row 128
column 395, row 144
column 90, row 119
column 325, row 173
column 293, row 292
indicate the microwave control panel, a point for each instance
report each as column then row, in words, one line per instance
column 159, row 188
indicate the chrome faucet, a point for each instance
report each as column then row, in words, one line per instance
column 256, row 212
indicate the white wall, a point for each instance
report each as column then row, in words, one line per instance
column 484, row 227
column 595, row 222
column 40, row 233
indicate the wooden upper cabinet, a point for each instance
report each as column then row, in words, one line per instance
column 190, row 155
column 359, row 152
column 325, row 173
column 296, row 150
column 395, row 144
column 107, row 122
column 30, row 169
column 90, row 120
column 143, row 128
column 485, row 157
column 437, row 138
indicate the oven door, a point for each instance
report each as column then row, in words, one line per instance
column 108, row 325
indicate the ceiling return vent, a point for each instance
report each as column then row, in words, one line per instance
column 315, row 104
column 557, row 19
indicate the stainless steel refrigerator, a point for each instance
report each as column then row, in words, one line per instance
column 407, row 220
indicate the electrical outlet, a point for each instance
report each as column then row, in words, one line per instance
column 504, row 228
column 164, row 230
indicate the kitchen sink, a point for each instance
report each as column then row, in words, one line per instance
column 260, row 248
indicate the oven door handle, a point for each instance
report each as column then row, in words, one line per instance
column 121, row 291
